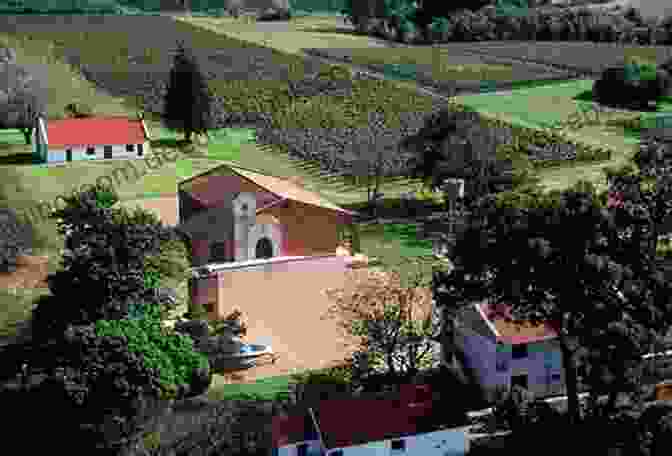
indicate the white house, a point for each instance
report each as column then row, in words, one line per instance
column 362, row 427
column 503, row 354
column 89, row 138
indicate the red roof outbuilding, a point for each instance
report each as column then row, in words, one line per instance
column 357, row 421
column 351, row 422
column 94, row 131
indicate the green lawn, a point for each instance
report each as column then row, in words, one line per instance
column 267, row 388
column 523, row 107
column 15, row 307
column 12, row 136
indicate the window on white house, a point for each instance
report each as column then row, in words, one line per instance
column 90, row 151
column 139, row 150
column 519, row 351
column 398, row 445
column 519, row 380
column 129, row 147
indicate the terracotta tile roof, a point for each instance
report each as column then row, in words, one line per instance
column 515, row 333
column 95, row 131
column 285, row 188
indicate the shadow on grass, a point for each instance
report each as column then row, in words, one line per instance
column 17, row 159
column 409, row 235
column 587, row 96
column 167, row 142
column 330, row 29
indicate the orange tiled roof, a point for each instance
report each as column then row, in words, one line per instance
column 515, row 333
column 287, row 189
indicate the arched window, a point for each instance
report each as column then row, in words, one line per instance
column 264, row 248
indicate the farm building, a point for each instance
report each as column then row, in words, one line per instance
column 245, row 227
column 236, row 214
column 90, row 138
column 368, row 426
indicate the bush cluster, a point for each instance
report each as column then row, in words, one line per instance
column 16, row 238
column 484, row 21
column 171, row 354
column 103, row 360
column 632, row 84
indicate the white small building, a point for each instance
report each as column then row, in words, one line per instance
column 363, row 427
column 89, row 138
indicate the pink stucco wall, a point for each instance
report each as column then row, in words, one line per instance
column 201, row 247
column 291, row 280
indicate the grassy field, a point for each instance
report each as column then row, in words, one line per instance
column 26, row 185
column 65, row 84
column 529, row 105
column 522, row 108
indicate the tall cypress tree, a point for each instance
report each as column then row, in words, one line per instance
column 187, row 101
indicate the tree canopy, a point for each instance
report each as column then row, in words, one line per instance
column 188, row 99
column 98, row 361
column 563, row 259
column 23, row 98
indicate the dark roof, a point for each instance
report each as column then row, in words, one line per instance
column 292, row 429
column 348, row 422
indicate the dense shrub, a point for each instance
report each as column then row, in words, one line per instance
column 75, row 381
column 458, row 143
column 102, row 360
column 631, row 85
column 78, row 110
column 438, row 8
column 484, row 20
column 230, row 427
column 16, row 238
column 170, row 353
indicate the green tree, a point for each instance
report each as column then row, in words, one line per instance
column 98, row 353
column 24, row 97
column 588, row 286
column 393, row 322
column 188, row 99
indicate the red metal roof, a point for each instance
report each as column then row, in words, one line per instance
column 348, row 422
column 345, row 423
column 514, row 333
column 95, row 131
column 288, row 430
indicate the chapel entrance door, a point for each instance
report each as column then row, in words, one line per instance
column 264, row 248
